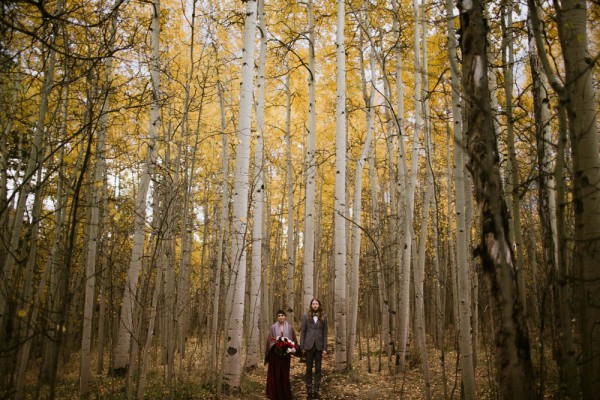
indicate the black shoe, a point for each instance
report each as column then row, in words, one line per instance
column 315, row 395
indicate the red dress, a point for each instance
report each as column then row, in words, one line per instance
column 278, row 377
column 278, row 372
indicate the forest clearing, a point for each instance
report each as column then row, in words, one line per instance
column 183, row 181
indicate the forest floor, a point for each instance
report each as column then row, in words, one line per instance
column 361, row 382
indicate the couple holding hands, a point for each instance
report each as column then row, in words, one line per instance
column 281, row 343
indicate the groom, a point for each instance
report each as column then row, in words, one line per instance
column 314, row 345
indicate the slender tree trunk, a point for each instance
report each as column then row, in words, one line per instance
column 508, row 60
column 235, row 316
column 34, row 160
column 290, row 248
column 565, row 346
column 515, row 375
column 91, row 257
column 369, row 98
column 222, row 246
column 311, row 167
column 252, row 358
column 141, row 387
column 463, row 292
column 419, row 277
column 404, row 309
column 123, row 345
column 340, row 257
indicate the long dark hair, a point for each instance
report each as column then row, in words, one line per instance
column 318, row 313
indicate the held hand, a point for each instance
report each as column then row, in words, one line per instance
column 303, row 351
column 324, row 352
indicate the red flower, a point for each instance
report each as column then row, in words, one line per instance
column 284, row 346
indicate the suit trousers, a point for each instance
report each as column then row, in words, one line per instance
column 313, row 357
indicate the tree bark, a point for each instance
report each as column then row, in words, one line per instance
column 237, row 285
column 311, row 168
column 513, row 360
column 583, row 129
column 463, row 292
column 340, row 257
column 258, row 198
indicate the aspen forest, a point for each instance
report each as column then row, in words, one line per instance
column 173, row 172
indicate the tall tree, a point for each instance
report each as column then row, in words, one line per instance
column 513, row 359
column 311, row 168
column 463, row 302
column 583, row 130
column 368, row 98
column 340, row 306
column 289, row 184
column 237, row 285
column 123, row 340
column 258, row 196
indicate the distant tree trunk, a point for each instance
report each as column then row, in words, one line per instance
column 49, row 283
column 34, row 160
column 170, row 210
column 7, row 128
column 223, row 234
column 311, row 168
column 103, row 289
column 583, row 129
column 565, row 345
column 463, row 292
column 152, row 312
column 382, row 293
column 409, row 207
column 183, row 284
column 508, row 61
column 340, row 306
column 419, row 277
column 91, row 258
column 402, row 189
column 419, row 272
column 235, row 316
column 513, row 360
column 98, row 189
column 369, row 98
column 123, row 341
column 258, row 198
column 290, row 248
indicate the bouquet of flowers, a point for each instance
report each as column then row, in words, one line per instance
column 284, row 346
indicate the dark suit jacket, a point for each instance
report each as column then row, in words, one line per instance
column 313, row 333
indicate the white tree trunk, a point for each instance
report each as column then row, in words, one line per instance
column 252, row 358
column 122, row 348
column 583, row 129
column 311, row 168
column 235, row 317
column 369, row 99
column 183, row 283
column 223, row 232
column 340, row 257
column 290, row 243
column 419, row 273
column 404, row 309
